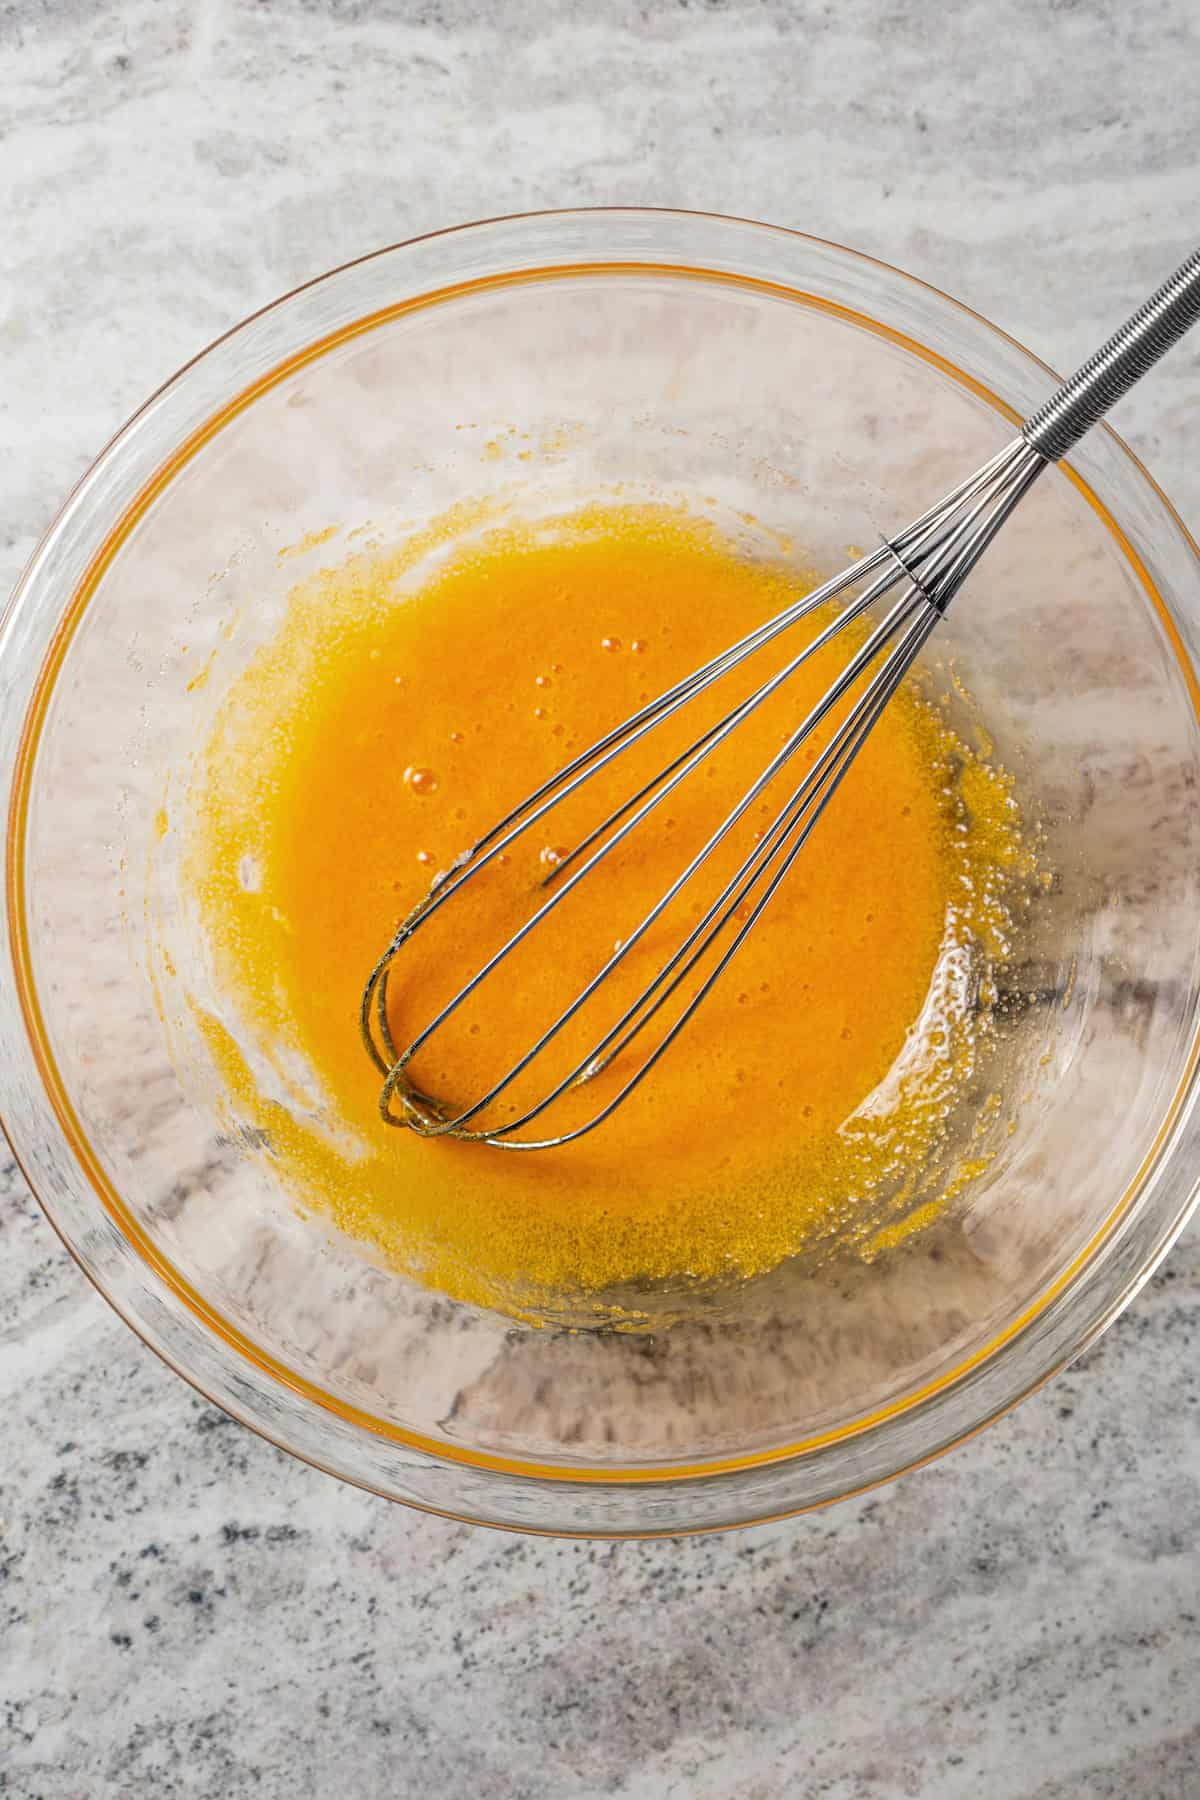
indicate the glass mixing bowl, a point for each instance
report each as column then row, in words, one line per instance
column 830, row 397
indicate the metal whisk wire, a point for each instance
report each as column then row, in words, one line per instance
column 930, row 559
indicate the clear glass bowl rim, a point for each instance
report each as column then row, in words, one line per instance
column 168, row 427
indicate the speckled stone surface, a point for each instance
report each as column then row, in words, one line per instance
column 184, row 1610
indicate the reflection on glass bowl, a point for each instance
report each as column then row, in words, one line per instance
column 831, row 398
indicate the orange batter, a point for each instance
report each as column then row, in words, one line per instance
column 385, row 730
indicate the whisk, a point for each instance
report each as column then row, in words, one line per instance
column 927, row 561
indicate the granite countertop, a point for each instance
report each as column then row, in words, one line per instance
column 183, row 1609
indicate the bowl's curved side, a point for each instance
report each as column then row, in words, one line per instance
column 50, row 1137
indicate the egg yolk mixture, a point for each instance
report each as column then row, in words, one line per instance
column 390, row 724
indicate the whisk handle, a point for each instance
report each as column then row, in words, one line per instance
column 1085, row 398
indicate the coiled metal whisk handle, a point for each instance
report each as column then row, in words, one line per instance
column 1084, row 399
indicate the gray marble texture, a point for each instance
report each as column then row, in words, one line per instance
column 184, row 1610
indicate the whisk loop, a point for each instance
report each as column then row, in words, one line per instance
column 927, row 562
